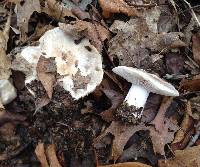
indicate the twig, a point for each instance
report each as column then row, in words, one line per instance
column 195, row 137
column 193, row 13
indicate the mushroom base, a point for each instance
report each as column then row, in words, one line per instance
column 129, row 114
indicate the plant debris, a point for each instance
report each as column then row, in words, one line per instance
column 60, row 99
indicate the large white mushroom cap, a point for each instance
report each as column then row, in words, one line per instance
column 79, row 65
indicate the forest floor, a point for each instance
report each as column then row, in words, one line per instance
column 45, row 125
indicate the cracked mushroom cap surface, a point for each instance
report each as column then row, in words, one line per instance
column 79, row 65
column 150, row 82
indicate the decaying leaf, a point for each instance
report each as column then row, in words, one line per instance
column 185, row 127
column 51, row 154
column 46, row 70
column 127, row 164
column 121, row 133
column 6, row 117
column 189, row 157
column 196, row 47
column 158, row 121
column 163, row 136
column 116, row 99
column 137, row 37
column 48, row 154
column 5, row 63
column 60, row 10
column 190, row 85
column 40, row 153
column 96, row 33
column 174, row 63
column 24, row 12
column 117, row 6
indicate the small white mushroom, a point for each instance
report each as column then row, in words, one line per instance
column 79, row 65
column 7, row 91
column 142, row 84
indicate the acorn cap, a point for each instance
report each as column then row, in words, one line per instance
column 150, row 82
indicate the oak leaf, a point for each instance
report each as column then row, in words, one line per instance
column 189, row 157
column 117, row 6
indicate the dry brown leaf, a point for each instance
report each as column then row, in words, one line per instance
column 116, row 99
column 185, row 125
column 158, row 121
column 10, row 117
column 190, row 85
column 94, row 32
column 40, row 153
column 40, row 30
column 61, row 10
column 137, row 38
column 56, row 10
column 51, row 154
column 127, row 164
column 46, row 69
column 121, row 133
column 189, row 157
column 117, row 6
column 196, row 47
column 163, row 136
column 5, row 63
column 24, row 12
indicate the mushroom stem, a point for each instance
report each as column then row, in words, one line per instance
column 137, row 96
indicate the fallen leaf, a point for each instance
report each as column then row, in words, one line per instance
column 24, row 12
column 96, row 33
column 137, row 38
column 116, row 99
column 189, row 157
column 60, row 10
column 121, row 133
column 151, row 108
column 40, row 153
column 117, row 6
column 7, row 131
column 5, row 63
column 158, row 121
column 46, row 70
column 80, row 13
column 51, row 154
column 185, row 127
column 139, row 146
column 164, row 136
column 127, row 164
column 6, row 117
column 9, row 155
column 190, row 85
column 196, row 47
column 40, row 30
column 174, row 63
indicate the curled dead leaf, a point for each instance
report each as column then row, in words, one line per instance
column 24, row 12
column 51, row 154
column 196, row 47
column 188, row 157
column 121, row 133
column 40, row 153
column 117, row 6
column 46, row 70
column 96, row 33
column 127, row 164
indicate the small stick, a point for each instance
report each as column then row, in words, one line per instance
column 193, row 13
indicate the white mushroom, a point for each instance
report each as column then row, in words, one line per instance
column 142, row 84
column 79, row 65
column 7, row 91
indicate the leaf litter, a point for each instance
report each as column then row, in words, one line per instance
column 157, row 36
